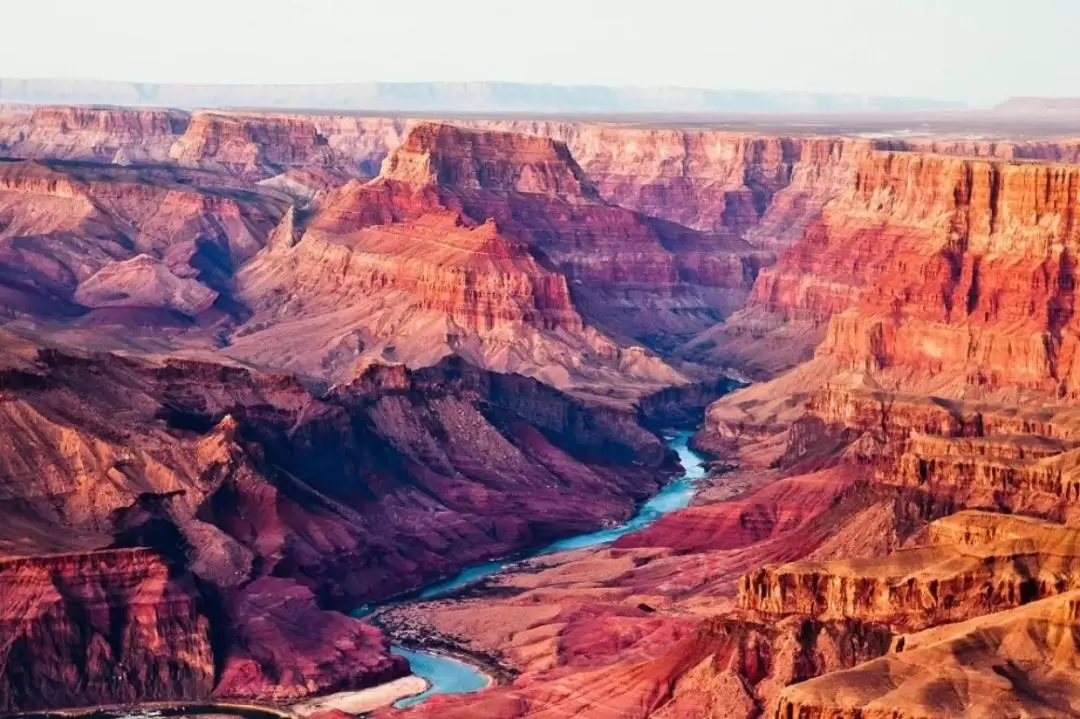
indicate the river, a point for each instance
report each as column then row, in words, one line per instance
column 449, row 676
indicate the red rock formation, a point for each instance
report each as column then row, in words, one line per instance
column 107, row 627
column 769, row 187
column 762, row 188
column 77, row 237
column 992, row 303
column 941, row 582
column 443, row 254
column 637, row 276
column 962, row 454
column 971, row 668
column 724, row 666
column 282, row 647
column 274, row 498
column 111, row 135
column 942, row 286
column 955, row 265
column 416, row 291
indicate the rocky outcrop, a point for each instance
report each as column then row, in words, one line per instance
column 959, row 454
column 78, row 238
column 951, row 266
column 257, row 146
column 995, row 240
column 971, row 668
column 419, row 290
column 762, row 188
column 921, row 587
column 110, row 135
column 445, row 155
column 252, row 145
column 144, row 281
column 712, row 189
column 766, row 186
column 929, row 264
column 494, row 246
column 106, row 627
column 282, row 647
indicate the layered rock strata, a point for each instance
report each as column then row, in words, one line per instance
column 932, row 263
column 971, row 668
column 972, row 564
column 112, row 626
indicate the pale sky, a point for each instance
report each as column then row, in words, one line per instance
column 981, row 51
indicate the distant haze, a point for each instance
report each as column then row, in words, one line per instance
column 479, row 97
column 973, row 51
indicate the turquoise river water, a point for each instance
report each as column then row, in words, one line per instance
column 449, row 676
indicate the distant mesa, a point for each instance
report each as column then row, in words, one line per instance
column 1050, row 106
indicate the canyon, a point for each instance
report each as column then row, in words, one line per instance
column 259, row 369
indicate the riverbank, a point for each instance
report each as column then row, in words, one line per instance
column 446, row 674
column 406, row 626
column 364, row 700
column 404, row 623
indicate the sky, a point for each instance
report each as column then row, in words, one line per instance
column 978, row 51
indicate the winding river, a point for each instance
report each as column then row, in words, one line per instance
column 449, row 676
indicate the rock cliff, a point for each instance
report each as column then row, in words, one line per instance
column 634, row 275
column 943, row 581
column 106, row 627
column 969, row 668
column 932, row 263
column 418, row 290
column 79, row 240
column 110, row 135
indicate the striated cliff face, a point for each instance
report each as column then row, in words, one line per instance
column 944, row 581
column 494, row 246
column 765, row 187
column 630, row 274
column 762, row 188
column 658, row 285
column 114, row 135
column 721, row 667
column 932, row 264
column 106, row 627
column 970, row 668
column 199, row 431
column 255, row 146
column 389, row 273
column 443, row 154
column 258, row 146
column 488, row 244
column 992, row 456
column 995, row 241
